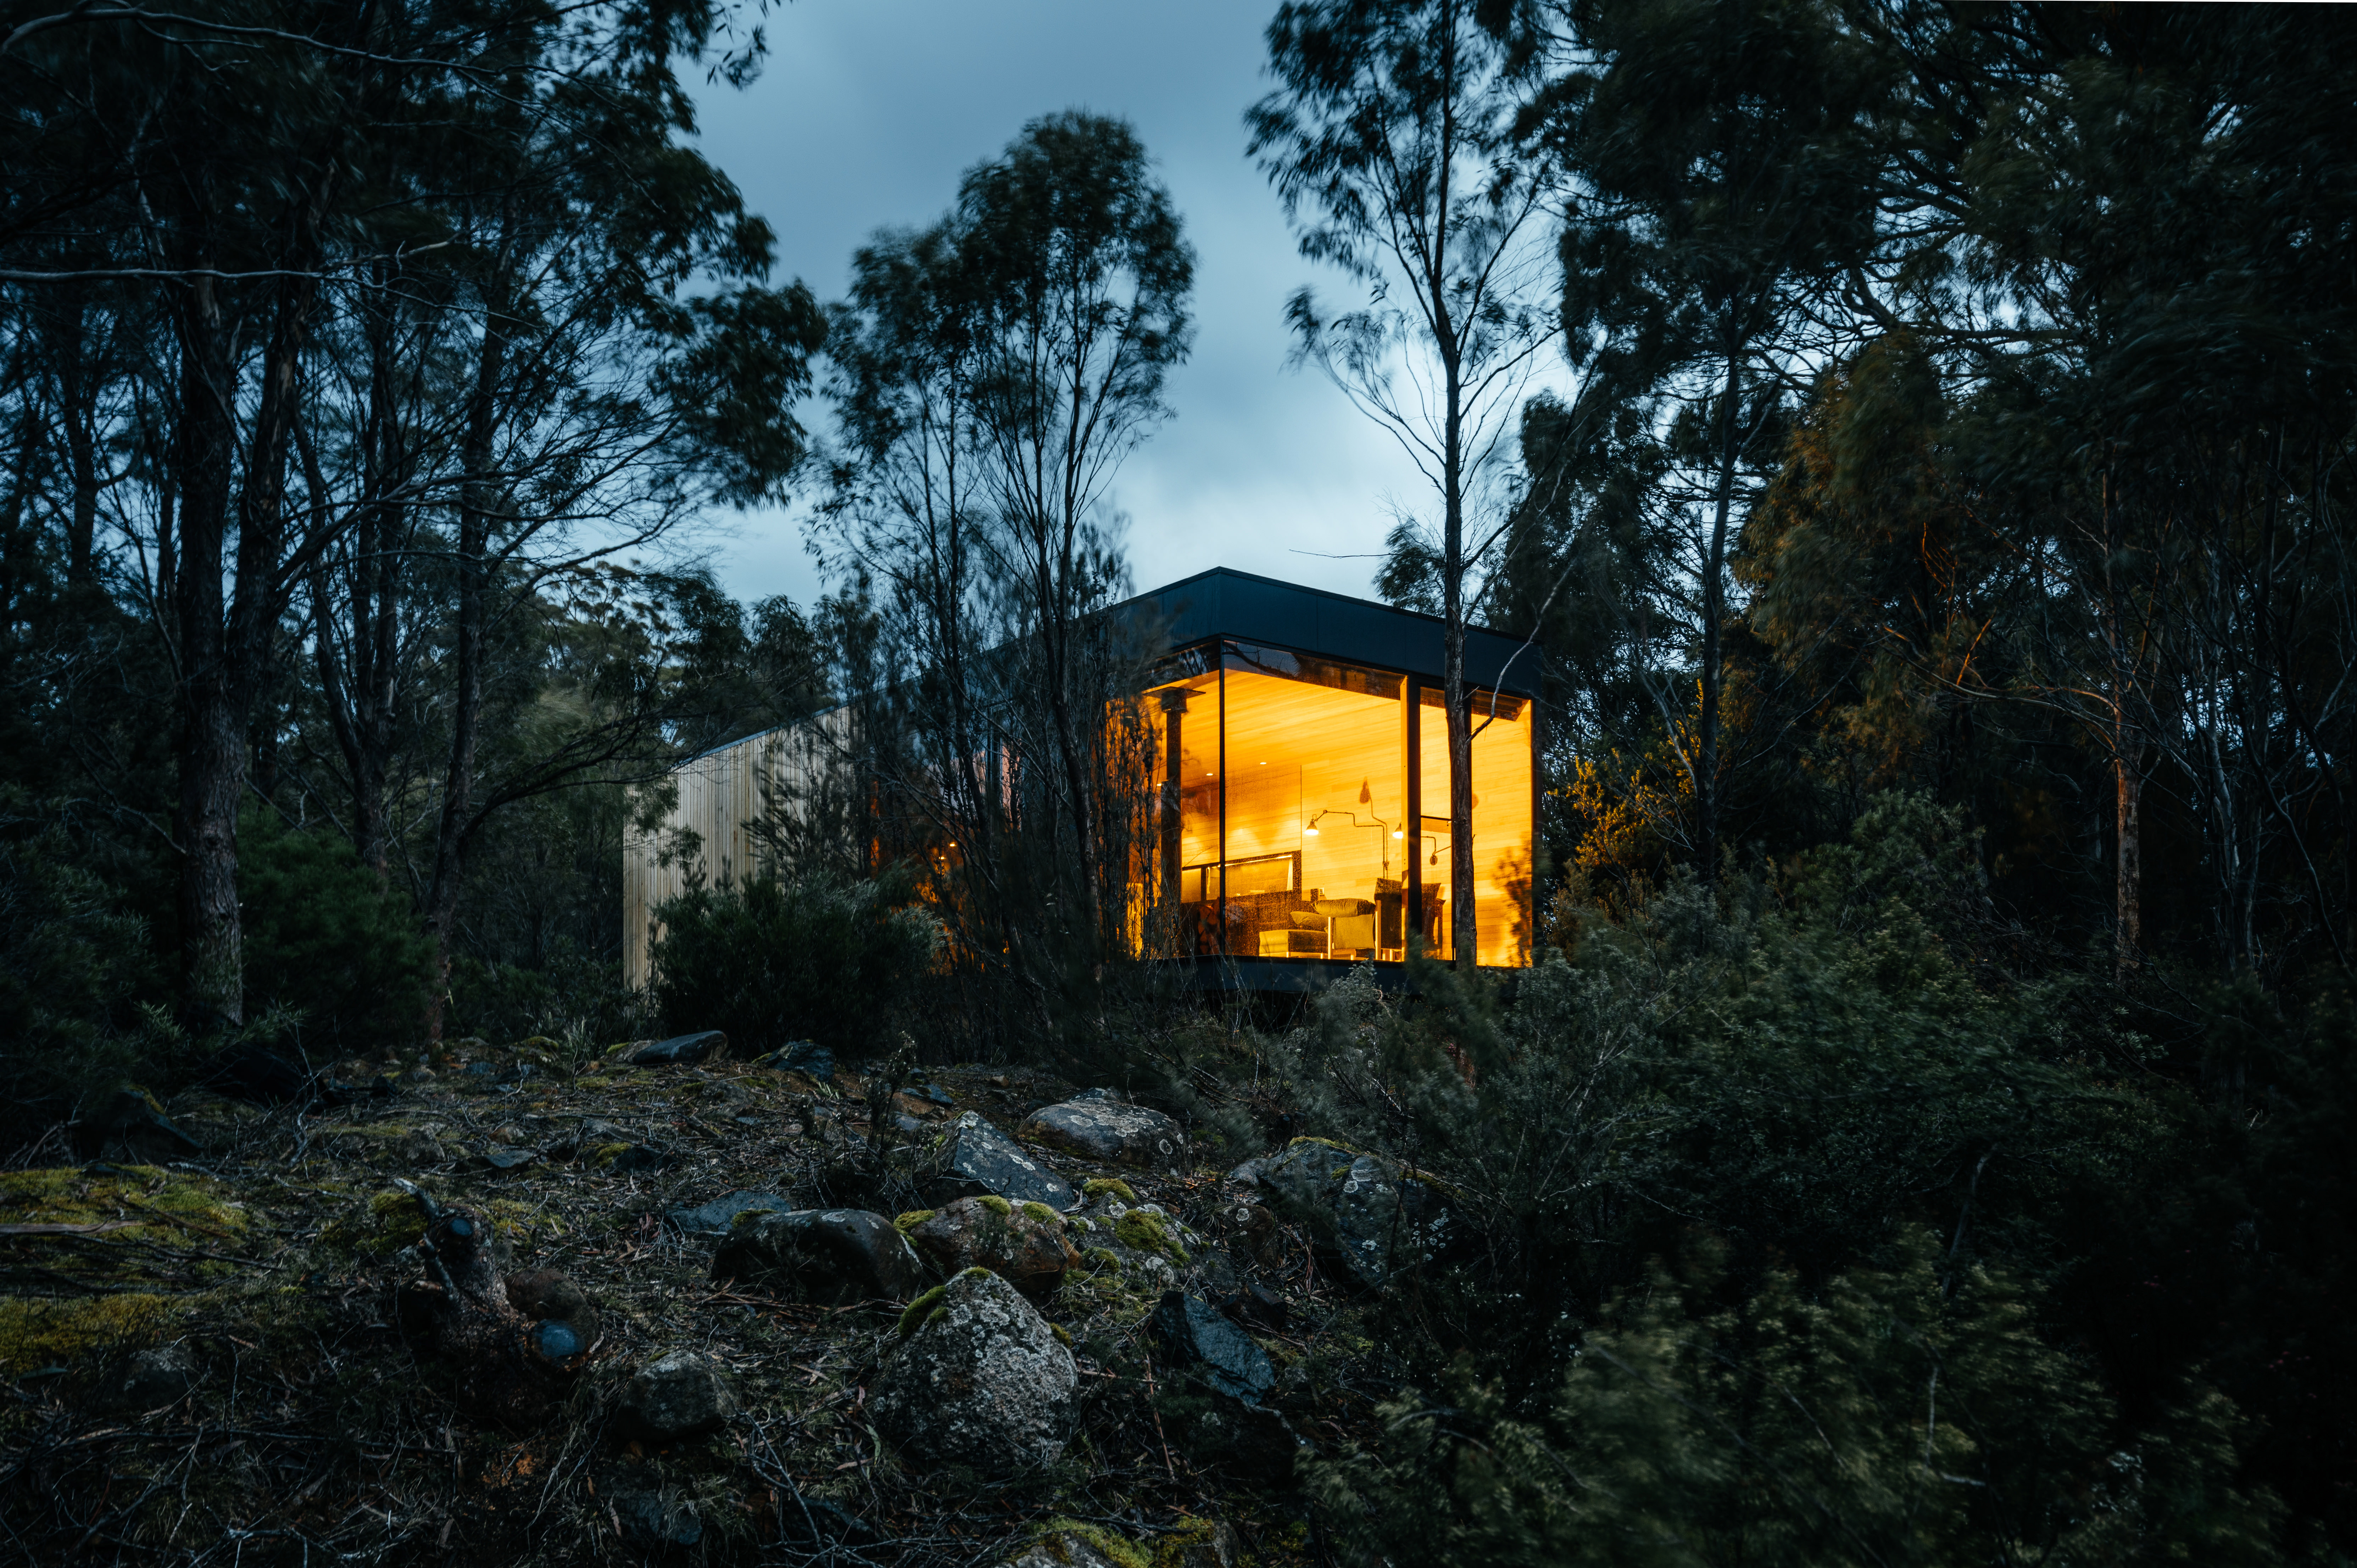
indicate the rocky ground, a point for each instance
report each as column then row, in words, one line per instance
column 501, row 1312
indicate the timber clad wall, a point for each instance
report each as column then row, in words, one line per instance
column 720, row 793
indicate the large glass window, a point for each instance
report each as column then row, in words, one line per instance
column 1502, row 825
column 1281, row 811
column 1317, row 800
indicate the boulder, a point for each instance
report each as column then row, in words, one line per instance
column 156, row 1377
column 830, row 1255
column 630, row 1159
column 1372, row 1219
column 715, row 1217
column 1196, row 1334
column 1249, row 1229
column 811, row 1521
column 1105, row 1129
column 1256, row 1305
column 678, row 1395
column 680, row 1050
column 800, row 1056
column 982, row 1381
column 1149, row 1246
column 1214, row 1401
column 134, row 1127
column 649, row 1514
column 1023, row 1245
column 973, row 1158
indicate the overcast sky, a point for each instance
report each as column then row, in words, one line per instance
column 866, row 113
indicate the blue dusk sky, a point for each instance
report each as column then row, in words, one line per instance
column 869, row 110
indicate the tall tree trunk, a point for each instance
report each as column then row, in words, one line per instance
column 226, row 648
column 2128, row 775
column 211, row 741
column 2127, row 750
column 1464, row 928
column 1713, row 620
column 76, row 391
column 1078, row 771
column 476, row 493
column 358, row 709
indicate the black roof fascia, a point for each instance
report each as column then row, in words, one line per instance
column 1226, row 603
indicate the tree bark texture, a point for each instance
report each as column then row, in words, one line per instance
column 211, row 741
column 1714, row 619
column 2127, row 883
column 476, row 493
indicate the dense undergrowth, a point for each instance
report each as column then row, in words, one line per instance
column 1793, row 1220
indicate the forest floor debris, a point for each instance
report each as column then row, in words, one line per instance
column 227, row 1347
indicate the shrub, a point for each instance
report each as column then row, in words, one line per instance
column 328, row 939
column 1906, row 1414
column 72, row 969
column 575, row 999
column 812, row 958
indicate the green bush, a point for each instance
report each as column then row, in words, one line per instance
column 812, row 958
column 1899, row 1415
column 1875, row 1143
column 73, row 969
column 329, row 941
column 575, row 999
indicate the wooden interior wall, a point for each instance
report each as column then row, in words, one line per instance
column 721, row 793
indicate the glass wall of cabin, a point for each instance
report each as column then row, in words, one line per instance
column 1284, row 813
column 1502, row 825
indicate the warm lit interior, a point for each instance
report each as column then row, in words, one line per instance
column 1303, row 763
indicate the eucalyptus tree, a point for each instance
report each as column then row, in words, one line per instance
column 1075, row 255
column 1726, row 154
column 571, row 351
column 993, row 371
column 1394, row 142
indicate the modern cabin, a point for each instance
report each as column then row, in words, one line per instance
column 1301, row 744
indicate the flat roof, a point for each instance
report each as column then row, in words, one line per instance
column 1226, row 603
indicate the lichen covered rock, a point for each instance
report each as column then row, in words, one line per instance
column 983, row 1382
column 830, row 1255
column 973, row 1158
column 1024, row 1244
column 676, row 1396
column 1103, row 1128
column 1372, row 1219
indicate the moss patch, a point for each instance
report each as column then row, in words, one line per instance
column 135, row 1225
column 1172, row 1550
column 1056, row 1532
column 995, row 1203
column 907, row 1222
column 1102, row 1187
column 38, row 1333
column 1042, row 1214
column 1145, row 1230
column 921, row 1310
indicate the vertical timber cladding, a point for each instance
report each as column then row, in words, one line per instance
column 708, row 831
